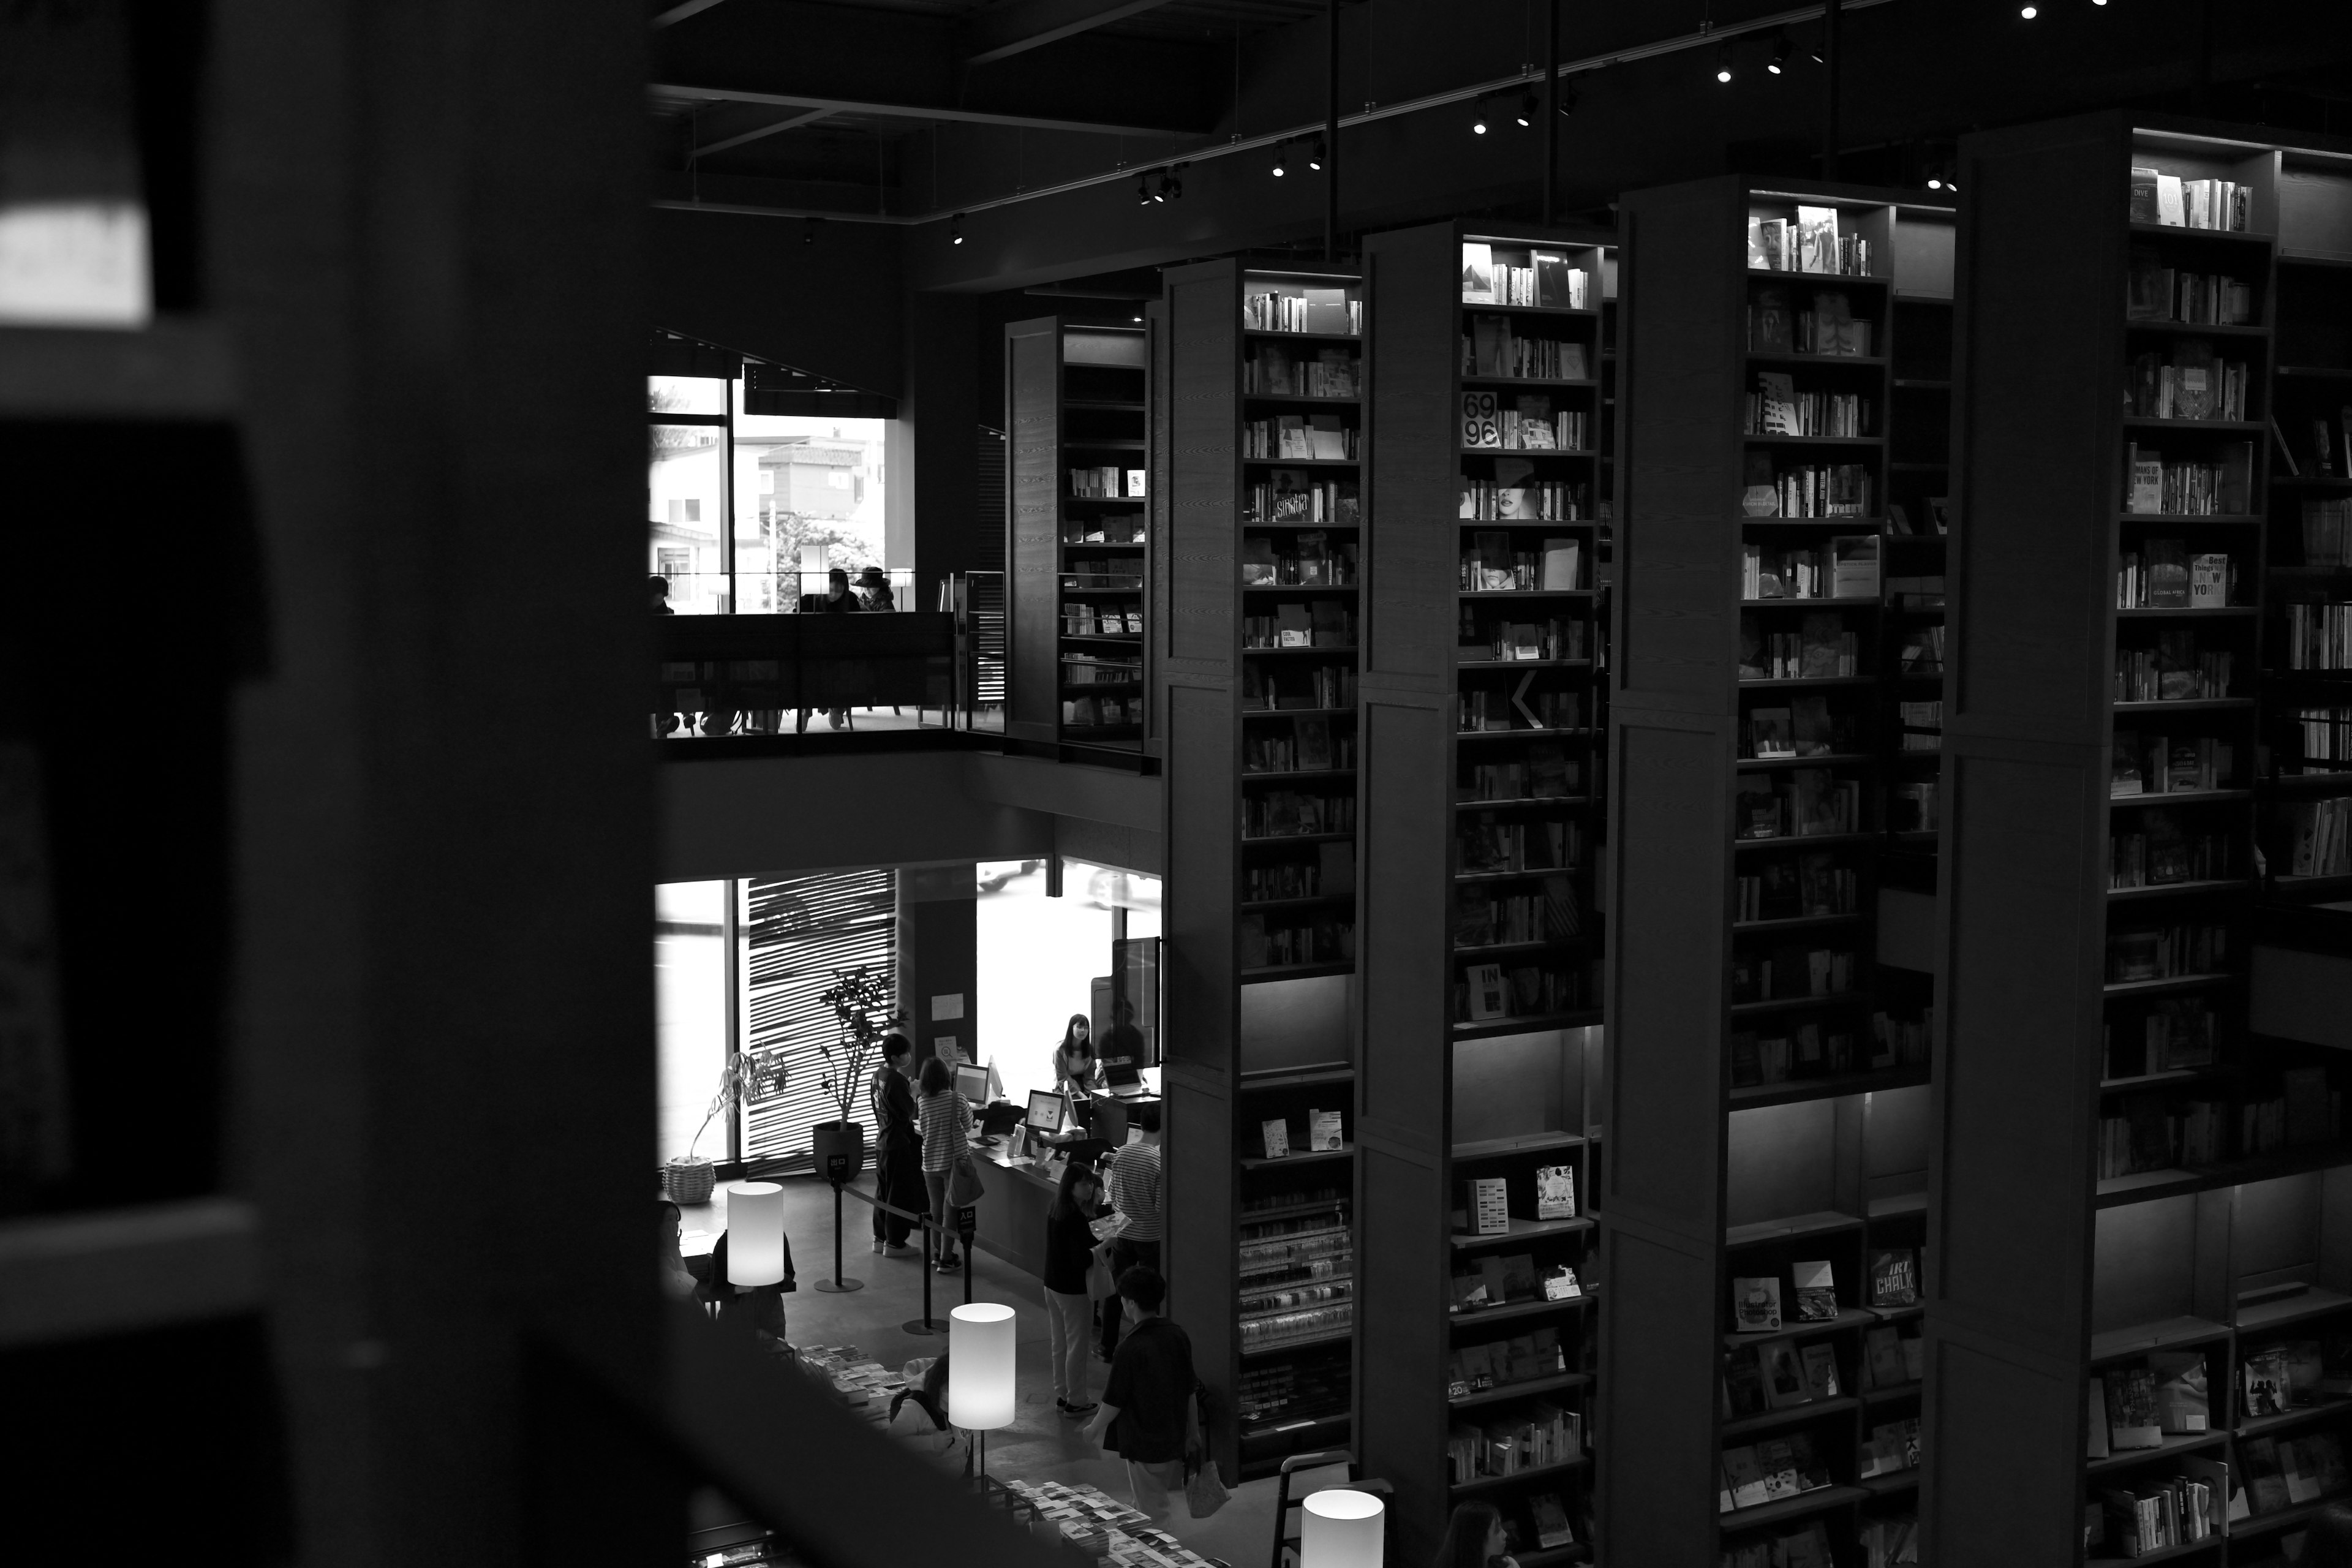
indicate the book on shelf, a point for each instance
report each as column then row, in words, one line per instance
column 2182, row 1406
column 2154, row 484
column 2168, row 1512
column 1882, row 1350
column 2156, row 292
column 1892, row 1448
column 2172, row 202
column 1815, row 1287
column 1494, row 347
column 1275, row 1135
column 2193, row 383
column 1820, row 1371
column 1785, row 1384
column 2132, row 1420
column 1756, row 1304
column 1550, row 1517
column 1556, row 1190
column 1320, row 311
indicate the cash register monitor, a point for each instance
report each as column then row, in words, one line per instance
column 1045, row 1111
column 972, row 1082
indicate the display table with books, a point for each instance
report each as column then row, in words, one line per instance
column 1098, row 1525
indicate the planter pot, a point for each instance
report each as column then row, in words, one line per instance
column 839, row 1148
column 689, row 1181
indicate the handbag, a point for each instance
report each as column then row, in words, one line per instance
column 1205, row 1489
column 1101, row 1283
column 964, row 1186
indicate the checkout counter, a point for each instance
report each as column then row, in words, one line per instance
column 1010, row 1221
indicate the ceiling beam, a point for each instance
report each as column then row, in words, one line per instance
column 680, row 12
column 905, row 111
column 1031, row 24
column 790, row 121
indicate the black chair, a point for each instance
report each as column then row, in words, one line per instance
column 1303, row 1475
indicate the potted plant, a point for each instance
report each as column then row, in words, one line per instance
column 861, row 1003
column 689, row 1179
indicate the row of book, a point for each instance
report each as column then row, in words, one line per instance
column 1092, row 576
column 2193, row 385
column 1892, row 1448
column 2163, row 575
column 1917, row 714
column 2296, row 1375
column 1268, row 689
column 1287, row 813
column 2176, row 202
column 2325, row 735
column 1809, row 243
column 1777, row 408
column 1108, row 483
column 1495, row 565
column 2175, row 1034
column 1266, row 944
column 1492, row 347
column 1309, row 559
column 2158, row 852
column 2319, row 837
column 1791, row 973
column 1488, row 638
column 1807, row 490
column 1547, row 281
column 2155, row 292
column 1803, row 802
column 1099, row 620
column 2167, row 952
column 1307, row 623
column 1495, row 919
column 1797, row 887
column 1822, row 324
column 1546, row 773
column 1547, row 1435
column 2149, row 1132
column 1100, row 712
column 1308, row 1322
column 1278, row 370
column 1291, row 496
column 1845, row 568
column 2328, row 533
column 2175, row 670
column 1277, row 1393
column 1106, row 528
column 1801, row 1050
column 1253, row 1303
column 1303, row 746
column 1530, row 424
column 1821, row 648
column 1508, row 1279
column 1486, row 1208
column 1491, row 844
column 2172, row 1510
column 1325, row 310
column 1806, row 1546
column 1329, row 874
column 1486, row 710
column 1308, row 1247
column 1498, row 1364
column 2147, row 763
column 1811, row 1292
column 2319, row 636
column 1309, row 437
column 1774, row 1470
column 1911, row 806
column 1487, row 992
column 1086, row 670
column 1516, row 497
column 2155, row 485
column 1922, row 652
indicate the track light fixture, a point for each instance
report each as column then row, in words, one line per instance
column 1143, row 190
column 1723, row 63
column 1781, row 50
column 955, row 230
column 808, row 232
column 1478, row 119
column 1567, row 96
column 1280, row 157
column 1528, row 110
column 2029, row 12
column 1314, row 155
column 1172, row 188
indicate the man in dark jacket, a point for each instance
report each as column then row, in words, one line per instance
column 1149, row 1416
column 898, row 1146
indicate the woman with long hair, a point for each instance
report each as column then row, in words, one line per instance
column 945, row 1117
column 1474, row 1539
column 1069, row 1310
column 1075, row 1066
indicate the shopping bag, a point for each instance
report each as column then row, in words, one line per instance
column 1101, row 1283
column 1205, row 1489
column 964, row 1186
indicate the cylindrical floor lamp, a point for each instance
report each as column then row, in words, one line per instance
column 755, row 1233
column 980, row 1372
column 1341, row 1529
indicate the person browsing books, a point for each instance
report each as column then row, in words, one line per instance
column 1069, row 1310
column 1474, row 1538
column 1149, row 1416
column 1137, row 1190
column 946, row 1119
column 1075, row 1064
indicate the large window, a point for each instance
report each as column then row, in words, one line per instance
column 1042, row 959
column 747, row 513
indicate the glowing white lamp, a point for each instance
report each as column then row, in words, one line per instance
column 1340, row 1528
column 755, row 1233
column 980, row 1366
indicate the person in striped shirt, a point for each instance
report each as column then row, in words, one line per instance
column 946, row 1121
column 1138, row 1190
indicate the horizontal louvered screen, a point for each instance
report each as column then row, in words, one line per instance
column 802, row 930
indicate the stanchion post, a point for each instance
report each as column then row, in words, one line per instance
column 923, row 1325
column 967, row 1221
column 837, row 1170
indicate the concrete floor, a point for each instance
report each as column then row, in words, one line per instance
column 1041, row 1445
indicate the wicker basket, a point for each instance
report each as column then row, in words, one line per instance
column 689, row 1181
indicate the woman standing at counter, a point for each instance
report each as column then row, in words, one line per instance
column 1069, row 1310
column 1074, row 1064
column 946, row 1117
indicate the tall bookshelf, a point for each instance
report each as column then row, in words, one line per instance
column 1265, row 370
column 2112, row 1126
column 1761, row 1119
column 1482, row 831
column 1077, row 397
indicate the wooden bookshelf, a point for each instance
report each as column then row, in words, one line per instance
column 1762, row 1115
column 2102, row 1083
column 1482, row 811
column 1259, row 660
column 1076, row 394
